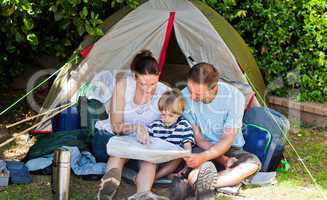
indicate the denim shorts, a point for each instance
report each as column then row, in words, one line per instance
column 241, row 155
column 99, row 144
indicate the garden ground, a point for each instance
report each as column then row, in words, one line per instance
column 310, row 142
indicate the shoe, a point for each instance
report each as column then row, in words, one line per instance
column 109, row 184
column 204, row 186
column 180, row 189
column 230, row 190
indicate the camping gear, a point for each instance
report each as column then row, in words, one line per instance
column 44, row 120
column 35, row 116
column 18, row 172
column 60, row 178
column 90, row 111
column 264, row 133
column 67, row 120
column 4, row 174
column 46, row 144
column 261, row 179
column 82, row 163
column 157, row 151
column 4, row 178
column 99, row 144
column 39, row 163
column 166, row 27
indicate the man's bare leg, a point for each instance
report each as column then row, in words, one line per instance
column 229, row 177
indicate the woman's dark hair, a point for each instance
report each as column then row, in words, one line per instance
column 144, row 63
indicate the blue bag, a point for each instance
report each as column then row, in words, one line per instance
column 264, row 132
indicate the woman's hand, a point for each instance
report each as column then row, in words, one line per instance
column 142, row 135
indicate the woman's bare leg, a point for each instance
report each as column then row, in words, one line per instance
column 115, row 162
column 111, row 179
column 145, row 177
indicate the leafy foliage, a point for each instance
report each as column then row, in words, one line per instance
column 287, row 37
column 30, row 28
column 289, row 40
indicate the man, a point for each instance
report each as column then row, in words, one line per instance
column 215, row 110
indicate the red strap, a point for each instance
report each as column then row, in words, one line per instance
column 86, row 51
column 250, row 102
column 37, row 132
column 169, row 28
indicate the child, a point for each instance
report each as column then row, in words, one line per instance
column 172, row 127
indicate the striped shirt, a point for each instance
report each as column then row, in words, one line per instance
column 179, row 133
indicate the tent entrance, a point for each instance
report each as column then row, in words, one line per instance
column 176, row 67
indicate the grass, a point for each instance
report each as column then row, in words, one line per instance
column 310, row 143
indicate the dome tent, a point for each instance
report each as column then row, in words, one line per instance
column 178, row 32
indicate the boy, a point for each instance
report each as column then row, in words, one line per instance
column 172, row 127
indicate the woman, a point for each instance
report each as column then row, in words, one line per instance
column 133, row 106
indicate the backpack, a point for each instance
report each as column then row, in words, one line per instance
column 264, row 131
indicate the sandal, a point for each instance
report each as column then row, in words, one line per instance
column 109, row 184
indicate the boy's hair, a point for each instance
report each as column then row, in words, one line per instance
column 172, row 101
column 204, row 73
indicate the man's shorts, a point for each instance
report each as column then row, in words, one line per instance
column 238, row 153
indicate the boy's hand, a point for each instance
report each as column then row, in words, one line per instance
column 142, row 135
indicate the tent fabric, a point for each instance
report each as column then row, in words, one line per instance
column 236, row 44
column 145, row 28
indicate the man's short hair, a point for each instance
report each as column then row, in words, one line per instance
column 204, row 73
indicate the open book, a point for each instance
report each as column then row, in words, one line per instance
column 158, row 151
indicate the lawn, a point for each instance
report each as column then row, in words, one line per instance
column 310, row 143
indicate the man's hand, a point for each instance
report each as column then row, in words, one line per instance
column 142, row 135
column 194, row 160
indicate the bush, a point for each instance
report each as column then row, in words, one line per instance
column 289, row 41
column 30, row 28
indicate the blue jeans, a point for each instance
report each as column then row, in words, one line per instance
column 99, row 144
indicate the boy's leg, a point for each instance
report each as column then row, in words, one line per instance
column 167, row 168
column 145, row 177
column 111, row 179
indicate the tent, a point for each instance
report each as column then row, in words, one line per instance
column 180, row 33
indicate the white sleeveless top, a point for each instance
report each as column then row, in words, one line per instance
column 136, row 114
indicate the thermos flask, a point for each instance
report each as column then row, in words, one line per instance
column 61, row 174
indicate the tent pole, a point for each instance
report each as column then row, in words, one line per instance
column 15, row 135
column 35, row 116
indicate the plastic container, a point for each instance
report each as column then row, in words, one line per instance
column 19, row 173
column 67, row 120
column 4, row 178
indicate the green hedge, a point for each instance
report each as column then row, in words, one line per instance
column 287, row 37
column 30, row 28
column 289, row 41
